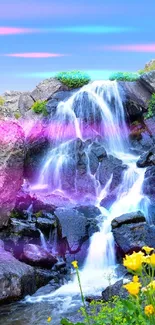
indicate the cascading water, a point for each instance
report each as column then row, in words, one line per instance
column 102, row 117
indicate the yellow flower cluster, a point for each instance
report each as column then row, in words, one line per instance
column 149, row 310
column 133, row 288
column 134, row 262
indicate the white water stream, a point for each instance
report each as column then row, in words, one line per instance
column 107, row 114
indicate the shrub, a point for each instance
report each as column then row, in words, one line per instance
column 2, row 101
column 73, row 79
column 39, row 107
column 124, row 76
column 151, row 107
column 17, row 115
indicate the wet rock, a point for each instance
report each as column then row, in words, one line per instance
column 115, row 289
column 132, row 234
column 111, row 167
column 148, row 80
column 147, row 158
column 37, row 256
column 127, row 218
column 86, row 108
column 46, row 222
column 136, row 97
column 149, row 182
column 16, row 279
column 47, row 88
column 56, row 99
column 76, row 228
column 43, row 276
column 11, row 166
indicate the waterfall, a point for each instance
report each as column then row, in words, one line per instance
column 102, row 117
column 42, row 239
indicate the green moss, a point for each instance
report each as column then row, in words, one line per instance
column 38, row 214
column 151, row 107
column 17, row 115
column 124, row 76
column 39, row 107
column 73, row 79
column 2, row 101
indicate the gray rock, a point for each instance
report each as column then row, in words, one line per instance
column 16, row 279
column 148, row 80
column 25, row 102
column 76, row 228
column 115, row 289
column 127, row 218
column 111, row 165
column 56, row 99
column 47, row 88
column 147, row 158
column 37, row 256
column 136, row 97
column 10, row 106
column 11, row 166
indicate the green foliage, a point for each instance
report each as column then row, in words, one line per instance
column 151, row 107
column 39, row 107
column 148, row 67
column 2, row 101
column 64, row 321
column 73, row 79
column 124, row 76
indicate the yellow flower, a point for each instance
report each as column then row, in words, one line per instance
column 133, row 288
column 151, row 285
column 75, row 264
column 49, row 319
column 152, row 260
column 147, row 249
column 149, row 310
column 135, row 278
column 133, row 262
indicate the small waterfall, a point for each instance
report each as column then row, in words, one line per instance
column 95, row 110
column 103, row 116
column 43, row 240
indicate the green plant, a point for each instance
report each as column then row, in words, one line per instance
column 2, row 101
column 124, row 76
column 39, row 107
column 148, row 67
column 73, row 79
column 151, row 107
column 17, row 115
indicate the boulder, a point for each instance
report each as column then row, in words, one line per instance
column 25, row 102
column 10, row 106
column 135, row 98
column 46, row 89
column 56, row 98
column 16, row 278
column 77, row 225
column 11, row 167
column 127, row 218
column 148, row 80
column 149, row 182
column 37, row 256
column 147, row 158
column 115, row 289
column 131, row 233
column 111, row 167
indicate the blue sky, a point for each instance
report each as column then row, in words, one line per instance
column 39, row 37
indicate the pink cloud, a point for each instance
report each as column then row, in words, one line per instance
column 14, row 30
column 131, row 47
column 36, row 55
